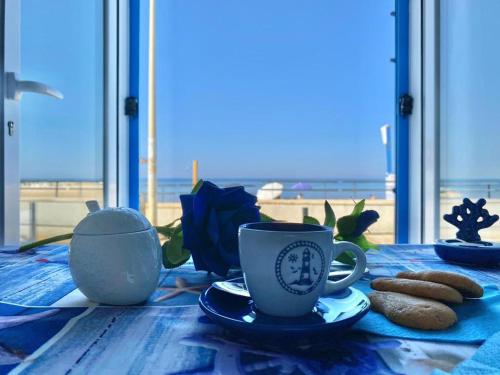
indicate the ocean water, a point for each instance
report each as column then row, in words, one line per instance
column 169, row 189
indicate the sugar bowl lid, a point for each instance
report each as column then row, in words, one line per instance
column 115, row 220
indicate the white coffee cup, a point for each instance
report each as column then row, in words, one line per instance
column 286, row 265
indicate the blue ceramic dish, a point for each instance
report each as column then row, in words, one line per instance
column 457, row 251
column 332, row 315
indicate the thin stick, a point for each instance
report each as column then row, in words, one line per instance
column 68, row 236
column 46, row 241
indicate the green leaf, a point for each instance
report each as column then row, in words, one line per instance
column 346, row 258
column 358, row 208
column 170, row 225
column 310, row 220
column 266, row 219
column 174, row 255
column 197, row 187
column 363, row 243
column 168, row 230
column 346, row 225
column 330, row 219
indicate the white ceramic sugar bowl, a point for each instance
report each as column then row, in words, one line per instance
column 115, row 256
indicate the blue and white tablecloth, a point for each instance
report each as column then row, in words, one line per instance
column 46, row 327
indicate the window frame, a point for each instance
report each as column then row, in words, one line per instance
column 417, row 136
column 9, row 111
column 115, row 122
column 424, row 122
column 417, row 140
column 402, row 214
column 116, row 90
column 132, row 197
column 407, row 204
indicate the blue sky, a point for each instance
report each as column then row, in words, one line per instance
column 282, row 88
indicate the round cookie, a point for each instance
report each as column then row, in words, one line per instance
column 418, row 288
column 413, row 312
column 466, row 286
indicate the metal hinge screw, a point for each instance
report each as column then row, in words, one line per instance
column 10, row 127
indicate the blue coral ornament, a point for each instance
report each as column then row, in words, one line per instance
column 470, row 218
column 468, row 248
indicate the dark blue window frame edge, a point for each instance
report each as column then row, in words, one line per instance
column 133, row 159
column 402, row 122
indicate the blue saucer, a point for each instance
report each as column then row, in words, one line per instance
column 332, row 315
column 485, row 254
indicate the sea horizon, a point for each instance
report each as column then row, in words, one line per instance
column 169, row 188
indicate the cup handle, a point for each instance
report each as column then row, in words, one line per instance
column 339, row 248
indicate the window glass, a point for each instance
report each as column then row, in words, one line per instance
column 61, row 141
column 470, row 114
column 287, row 98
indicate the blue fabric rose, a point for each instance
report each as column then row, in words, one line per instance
column 210, row 222
column 364, row 220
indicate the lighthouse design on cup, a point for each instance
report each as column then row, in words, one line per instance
column 305, row 270
column 300, row 266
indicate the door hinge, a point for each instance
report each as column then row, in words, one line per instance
column 405, row 105
column 131, row 106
